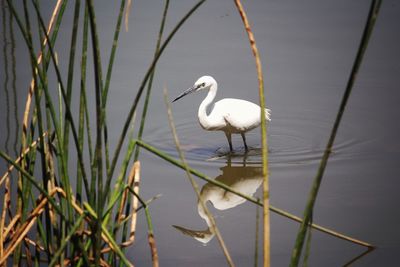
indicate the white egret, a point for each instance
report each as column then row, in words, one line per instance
column 230, row 115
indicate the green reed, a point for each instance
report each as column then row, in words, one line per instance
column 307, row 215
column 54, row 152
column 145, row 106
column 148, row 92
column 5, row 85
column 264, row 143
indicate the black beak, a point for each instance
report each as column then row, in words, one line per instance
column 186, row 92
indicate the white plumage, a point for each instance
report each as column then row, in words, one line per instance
column 245, row 180
column 230, row 115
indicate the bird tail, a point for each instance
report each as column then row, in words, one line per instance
column 268, row 114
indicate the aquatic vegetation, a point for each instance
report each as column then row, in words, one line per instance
column 76, row 200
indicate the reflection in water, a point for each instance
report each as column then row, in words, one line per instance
column 244, row 179
column 14, row 82
column 363, row 254
column 5, row 85
column 8, row 51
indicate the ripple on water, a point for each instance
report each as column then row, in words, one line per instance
column 297, row 138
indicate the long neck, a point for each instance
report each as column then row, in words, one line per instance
column 202, row 113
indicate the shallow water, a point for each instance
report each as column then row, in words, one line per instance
column 307, row 52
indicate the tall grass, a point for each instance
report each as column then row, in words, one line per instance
column 74, row 226
column 264, row 144
column 81, row 212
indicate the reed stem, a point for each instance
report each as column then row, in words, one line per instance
column 140, row 91
column 297, row 250
column 202, row 176
column 264, row 144
column 195, row 186
column 149, row 86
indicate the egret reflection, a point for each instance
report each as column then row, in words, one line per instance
column 242, row 178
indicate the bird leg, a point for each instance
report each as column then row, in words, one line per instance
column 244, row 141
column 229, row 137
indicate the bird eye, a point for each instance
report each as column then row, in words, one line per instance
column 203, row 84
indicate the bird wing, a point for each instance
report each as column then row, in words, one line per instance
column 240, row 115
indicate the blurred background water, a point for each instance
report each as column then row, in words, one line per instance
column 307, row 50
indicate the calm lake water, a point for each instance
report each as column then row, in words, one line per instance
column 307, row 50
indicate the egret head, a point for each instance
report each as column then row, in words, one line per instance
column 204, row 82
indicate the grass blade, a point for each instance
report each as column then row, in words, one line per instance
column 98, row 158
column 214, row 227
column 33, row 181
column 296, row 253
column 257, row 231
column 66, row 240
column 71, row 72
column 202, row 176
column 264, row 144
column 140, row 91
column 149, row 86
column 108, row 80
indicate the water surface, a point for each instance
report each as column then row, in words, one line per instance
column 307, row 50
